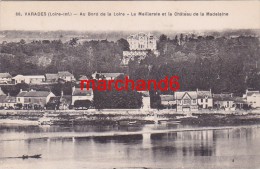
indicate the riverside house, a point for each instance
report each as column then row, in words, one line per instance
column 78, row 94
column 252, row 98
column 33, row 99
column 167, row 101
column 205, row 99
column 224, row 101
column 186, row 101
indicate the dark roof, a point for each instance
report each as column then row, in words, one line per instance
column 51, row 76
column 55, row 99
column 167, row 97
column 84, row 92
column 239, row 100
column 64, row 73
column 2, row 98
column 250, row 93
column 21, row 94
column 204, row 94
column 33, row 94
column 223, row 97
column 7, row 99
column 5, row 75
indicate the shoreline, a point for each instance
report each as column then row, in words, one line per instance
column 128, row 117
column 74, row 136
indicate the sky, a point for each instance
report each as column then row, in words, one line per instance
column 241, row 15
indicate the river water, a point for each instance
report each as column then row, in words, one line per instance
column 150, row 146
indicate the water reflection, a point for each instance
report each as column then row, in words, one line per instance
column 227, row 148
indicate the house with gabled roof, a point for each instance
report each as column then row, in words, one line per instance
column 5, row 78
column 186, row 100
column 66, row 76
column 78, row 94
column 205, row 99
column 33, row 99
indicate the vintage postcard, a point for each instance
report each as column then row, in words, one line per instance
column 129, row 84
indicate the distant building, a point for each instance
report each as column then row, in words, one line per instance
column 106, row 76
column 142, row 41
column 186, row 101
column 7, row 101
column 168, row 101
column 78, row 94
column 51, row 77
column 34, row 99
column 5, row 78
column 66, row 76
column 139, row 44
column 223, row 101
column 145, row 100
column 252, row 98
column 29, row 79
column 205, row 99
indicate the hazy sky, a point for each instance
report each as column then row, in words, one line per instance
column 242, row 15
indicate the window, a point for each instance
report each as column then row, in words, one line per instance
column 187, row 102
column 206, row 100
column 194, row 101
column 29, row 100
column 201, row 100
column 18, row 99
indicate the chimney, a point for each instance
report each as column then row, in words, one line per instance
column 197, row 90
column 21, row 90
column 61, row 94
column 8, row 94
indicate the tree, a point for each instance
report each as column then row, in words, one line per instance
column 123, row 44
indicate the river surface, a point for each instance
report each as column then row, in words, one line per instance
column 150, row 146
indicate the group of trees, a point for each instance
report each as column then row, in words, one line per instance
column 223, row 64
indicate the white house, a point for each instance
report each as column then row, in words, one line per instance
column 252, row 98
column 34, row 98
column 205, row 99
column 186, row 101
column 167, row 100
column 5, row 78
column 29, row 79
column 78, row 94
column 66, row 76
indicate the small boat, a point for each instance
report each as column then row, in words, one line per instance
column 33, row 156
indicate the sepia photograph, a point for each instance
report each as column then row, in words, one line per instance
column 130, row 85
